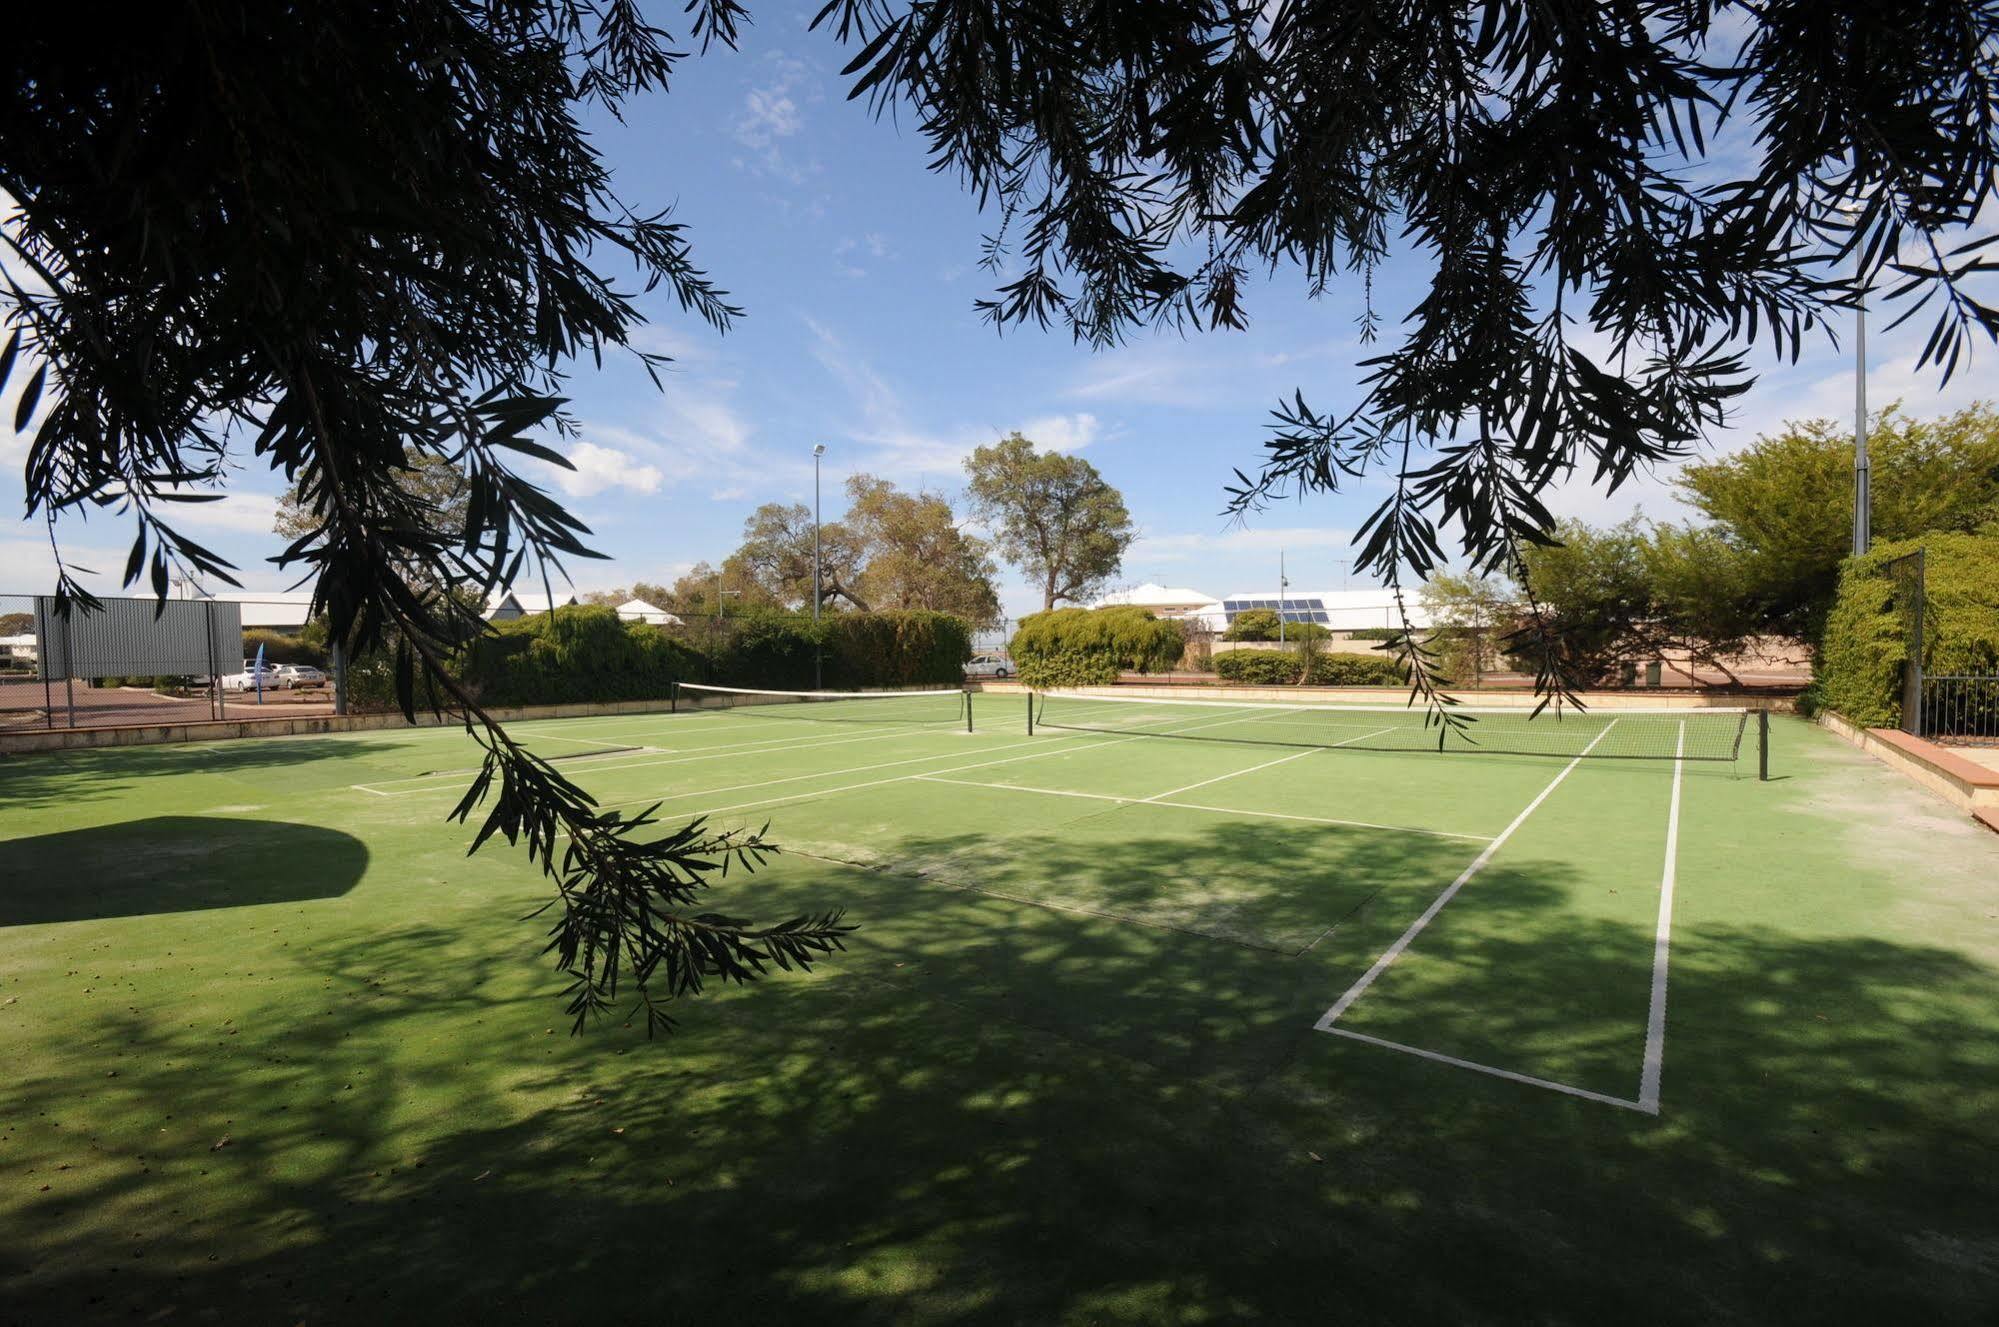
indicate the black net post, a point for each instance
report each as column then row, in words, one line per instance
column 1763, row 746
column 968, row 711
column 1030, row 714
column 673, row 696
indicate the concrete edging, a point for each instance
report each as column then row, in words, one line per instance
column 1966, row 785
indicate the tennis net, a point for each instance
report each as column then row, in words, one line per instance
column 1632, row 734
column 943, row 708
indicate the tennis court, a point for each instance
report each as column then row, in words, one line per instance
column 1157, row 1008
column 1268, row 826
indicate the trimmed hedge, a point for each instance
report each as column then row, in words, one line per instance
column 578, row 654
column 1126, row 636
column 1356, row 670
column 587, row 653
column 900, row 648
column 1047, row 671
column 1259, row 667
column 1859, row 667
column 1278, row 668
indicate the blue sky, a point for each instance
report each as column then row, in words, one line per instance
column 858, row 269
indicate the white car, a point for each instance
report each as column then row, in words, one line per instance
column 301, row 675
column 247, row 680
column 989, row 665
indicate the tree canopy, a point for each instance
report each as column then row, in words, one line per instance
column 1785, row 503
column 915, row 556
column 1052, row 515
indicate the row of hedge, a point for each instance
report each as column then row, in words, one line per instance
column 1287, row 668
column 1859, row 666
column 588, row 653
column 1069, row 647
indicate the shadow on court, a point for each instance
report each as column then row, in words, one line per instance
column 168, row 864
column 59, row 778
column 873, row 1146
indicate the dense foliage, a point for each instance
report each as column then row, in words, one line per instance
column 585, row 653
column 1129, row 638
column 1328, row 668
column 1859, row 672
column 1780, row 511
column 1048, row 672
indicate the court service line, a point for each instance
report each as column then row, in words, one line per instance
column 1508, row 1074
column 1175, row 792
column 876, row 783
column 1662, row 943
column 1197, row 806
column 1437, row 905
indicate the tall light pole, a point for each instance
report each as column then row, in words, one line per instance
column 818, row 451
column 1283, row 584
column 1863, row 497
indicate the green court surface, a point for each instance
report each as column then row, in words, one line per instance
column 1137, row 1026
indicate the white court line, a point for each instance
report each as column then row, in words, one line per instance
column 1662, row 943
column 596, row 741
column 778, row 747
column 1507, row 1074
column 1655, row 1027
column 1394, row 951
column 1175, row 792
column 876, row 783
column 1197, row 806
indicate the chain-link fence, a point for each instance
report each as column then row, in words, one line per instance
column 138, row 661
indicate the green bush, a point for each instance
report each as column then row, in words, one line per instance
column 577, row 654
column 1258, row 667
column 1129, row 637
column 1859, row 665
column 1253, row 624
column 278, row 649
column 896, row 648
column 1046, row 672
column 1374, row 633
column 1355, row 670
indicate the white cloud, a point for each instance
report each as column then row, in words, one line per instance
column 772, row 114
column 1061, row 433
column 599, row 468
column 245, row 513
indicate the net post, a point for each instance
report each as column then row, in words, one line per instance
column 673, row 696
column 1030, row 714
column 1762, row 746
column 968, row 709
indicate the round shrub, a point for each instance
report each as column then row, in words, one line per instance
column 1355, row 670
column 1258, row 667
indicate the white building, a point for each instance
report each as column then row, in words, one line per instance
column 285, row 611
column 18, row 649
column 511, row 604
column 638, row 610
column 1339, row 610
column 1165, row 601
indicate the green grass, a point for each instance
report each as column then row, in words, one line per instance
column 277, row 1050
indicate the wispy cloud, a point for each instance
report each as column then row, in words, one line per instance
column 773, row 113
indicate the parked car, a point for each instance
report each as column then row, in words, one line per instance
column 247, row 680
column 989, row 665
column 302, row 675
